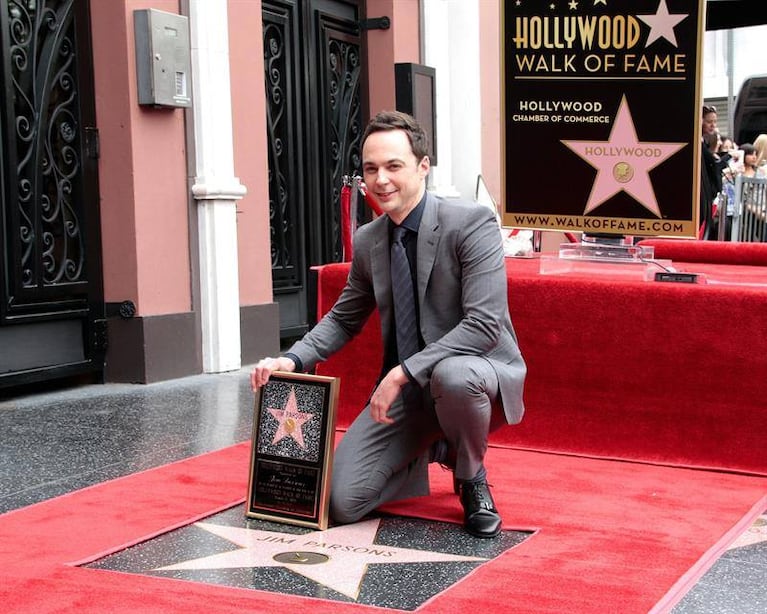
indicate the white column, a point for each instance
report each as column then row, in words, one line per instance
column 451, row 46
column 215, row 187
column 436, row 53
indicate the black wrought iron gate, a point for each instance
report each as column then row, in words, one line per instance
column 314, row 82
column 51, row 291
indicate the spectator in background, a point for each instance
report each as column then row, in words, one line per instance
column 729, row 152
column 748, row 167
column 760, row 145
column 711, row 175
column 726, row 197
column 713, row 141
column 727, row 145
column 751, row 167
column 724, row 157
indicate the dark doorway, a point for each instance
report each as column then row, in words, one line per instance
column 314, row 77
column 51, row 291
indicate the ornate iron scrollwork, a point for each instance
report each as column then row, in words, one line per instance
column 344, row 121
column 47, row 139
column 276, row 71
column 313, row 123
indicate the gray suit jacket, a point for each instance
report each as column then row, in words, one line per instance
column 462, row 294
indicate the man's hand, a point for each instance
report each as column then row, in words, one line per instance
column 384, row 395
column 264, row 368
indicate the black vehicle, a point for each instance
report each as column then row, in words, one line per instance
column 750, row 118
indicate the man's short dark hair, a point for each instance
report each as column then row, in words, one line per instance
column 396, row 120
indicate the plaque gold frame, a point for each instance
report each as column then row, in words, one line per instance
column 292, row 447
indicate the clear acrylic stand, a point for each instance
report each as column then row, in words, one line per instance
column 606, row 256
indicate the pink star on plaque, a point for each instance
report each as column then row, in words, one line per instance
column 623, row 162
column 290, row 420
column 662, row 24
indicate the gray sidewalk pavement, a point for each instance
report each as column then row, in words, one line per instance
column 59, row 441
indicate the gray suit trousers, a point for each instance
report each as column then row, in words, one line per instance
column 376, row 463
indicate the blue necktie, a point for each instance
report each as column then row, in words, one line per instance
column 405, row 322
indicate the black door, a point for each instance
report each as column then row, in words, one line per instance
column 313, row 72
column 51, row 291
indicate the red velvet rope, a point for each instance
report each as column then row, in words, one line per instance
column 370, row 200
column 346, row 221
column 346, row 225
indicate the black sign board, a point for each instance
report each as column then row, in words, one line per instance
column 602, row 115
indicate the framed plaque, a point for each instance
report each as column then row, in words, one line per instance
column 292, row 449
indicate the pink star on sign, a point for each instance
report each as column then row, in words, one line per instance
column 290, row 420
column 662, row 24
column 623, row 162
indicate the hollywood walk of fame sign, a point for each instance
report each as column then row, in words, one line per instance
column 292, row 449
column 602, row 115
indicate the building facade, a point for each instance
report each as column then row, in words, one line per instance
column 143, row 242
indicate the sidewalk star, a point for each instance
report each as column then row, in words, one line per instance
column 337, row 558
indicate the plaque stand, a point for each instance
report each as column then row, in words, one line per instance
column 606, row 255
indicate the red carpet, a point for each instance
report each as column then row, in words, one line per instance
column 674, row 374
column 611, row 537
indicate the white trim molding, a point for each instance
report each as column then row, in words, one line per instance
column 215, row 188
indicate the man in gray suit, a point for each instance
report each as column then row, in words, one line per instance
column 466, row 376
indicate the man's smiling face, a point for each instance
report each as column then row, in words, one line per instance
column 396, row 178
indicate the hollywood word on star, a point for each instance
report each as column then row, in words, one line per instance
column 582, row 41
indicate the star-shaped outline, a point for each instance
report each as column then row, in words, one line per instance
column 756, row 534
column 623, row 134
column 343, row 571
column 662, row 24
column 290, row 412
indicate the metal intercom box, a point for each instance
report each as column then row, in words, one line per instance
column 163, row 62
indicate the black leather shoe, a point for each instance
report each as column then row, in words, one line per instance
column 480, row 518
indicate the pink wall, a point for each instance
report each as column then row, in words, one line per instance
column 142, row 173
column 406, row 21
column 118, row 220
column 250, row 147
column 400, row 43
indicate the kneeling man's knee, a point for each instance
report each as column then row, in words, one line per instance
column 352, row 499
column 457, row 376
column 343, row 508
